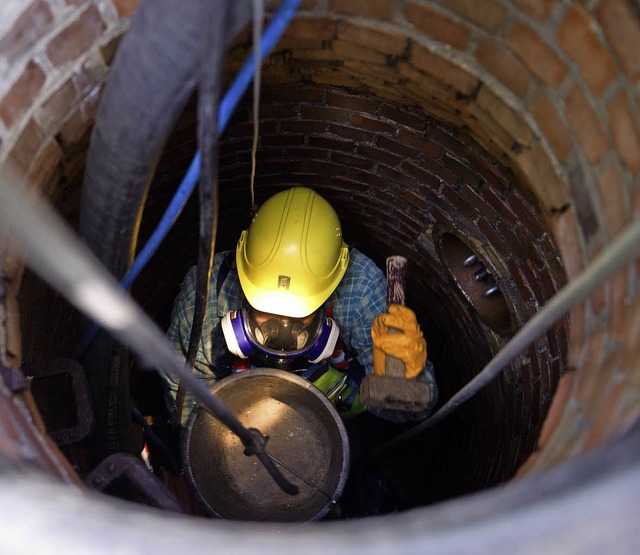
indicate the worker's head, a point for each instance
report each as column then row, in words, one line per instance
column 289, row 262
column 292, row 256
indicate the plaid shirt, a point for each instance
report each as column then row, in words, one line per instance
column 358, row 299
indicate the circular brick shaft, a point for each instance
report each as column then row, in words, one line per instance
column 509, row 130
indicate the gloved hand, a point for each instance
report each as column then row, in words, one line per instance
column 409, row 346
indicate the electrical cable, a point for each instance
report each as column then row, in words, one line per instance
column 270, row 37
column 208, row 191
column 621, row 251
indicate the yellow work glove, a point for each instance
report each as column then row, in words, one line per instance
column 409, row 346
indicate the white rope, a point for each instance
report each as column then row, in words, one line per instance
column 258, row 16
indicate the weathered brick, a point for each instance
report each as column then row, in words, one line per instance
column 45, row 170
column 546, row 183
column 126, row 8
column 301, row 48
column 584, row 121
column 565, row 229
column 78, row 37
column 606, row 410
column 551, row 125
column 362, row 121
column 390, row 44
column 27, row 145
column 280, row 95
column 591, row 355
column 421, row 88
column 577, row 37
column 282, row 140
column 437, row 26
column 26, row 30
column 443, row 70
column 109, row 49
column 620, row 26
column 350, row 133
column 504, row 65
column 344, row 49
column 621, row 292
column 79, row 124
column 68, row 95
column 22, row 94
column 583, row 204
column 540, row 9
column 613, row 201
column 311, row 28
column 276, row 111
column 437, row 168
column 599, row 301
column 538, row 56
column 625, row 131
column 331, row 143
column 349, row 160
column 409, row 145
column 378, row 9
column 333, row 78
column 322, row 113
column 509, row 119
column 402, row 117
column 485, row 13
column 305, row 127
column 371, row 75
column 341, row 99
column 378, row 155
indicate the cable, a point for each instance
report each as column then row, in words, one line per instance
column 208, row 191
column 272, row 34
column 620, row 251
column 258, row 15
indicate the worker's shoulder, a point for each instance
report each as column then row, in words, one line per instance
column 361, row 270
column 189, row 280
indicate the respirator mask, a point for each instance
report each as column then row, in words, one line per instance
column 280, row 341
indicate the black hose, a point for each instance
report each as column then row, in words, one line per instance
column 208, row 188
column 154, row 74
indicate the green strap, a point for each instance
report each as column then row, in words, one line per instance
column 333, row 384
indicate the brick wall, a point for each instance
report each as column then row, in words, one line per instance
column 550, row 90
column 402, row 182
column 513, row 125
column 54, row 58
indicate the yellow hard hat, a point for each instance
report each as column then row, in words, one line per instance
column 292, row 256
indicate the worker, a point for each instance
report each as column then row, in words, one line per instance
column 293, row 296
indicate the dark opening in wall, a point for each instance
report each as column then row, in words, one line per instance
column 476, row 281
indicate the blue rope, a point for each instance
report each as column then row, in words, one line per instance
column 270, row 37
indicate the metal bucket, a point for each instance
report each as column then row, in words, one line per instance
column 305, row 433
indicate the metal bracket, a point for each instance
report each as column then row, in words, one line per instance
column 123, row 465
column 69, row 376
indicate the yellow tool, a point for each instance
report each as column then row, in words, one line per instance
column 393, row 385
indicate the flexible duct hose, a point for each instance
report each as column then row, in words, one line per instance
column 155, row 72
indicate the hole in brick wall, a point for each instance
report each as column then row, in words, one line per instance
column 475, row 281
